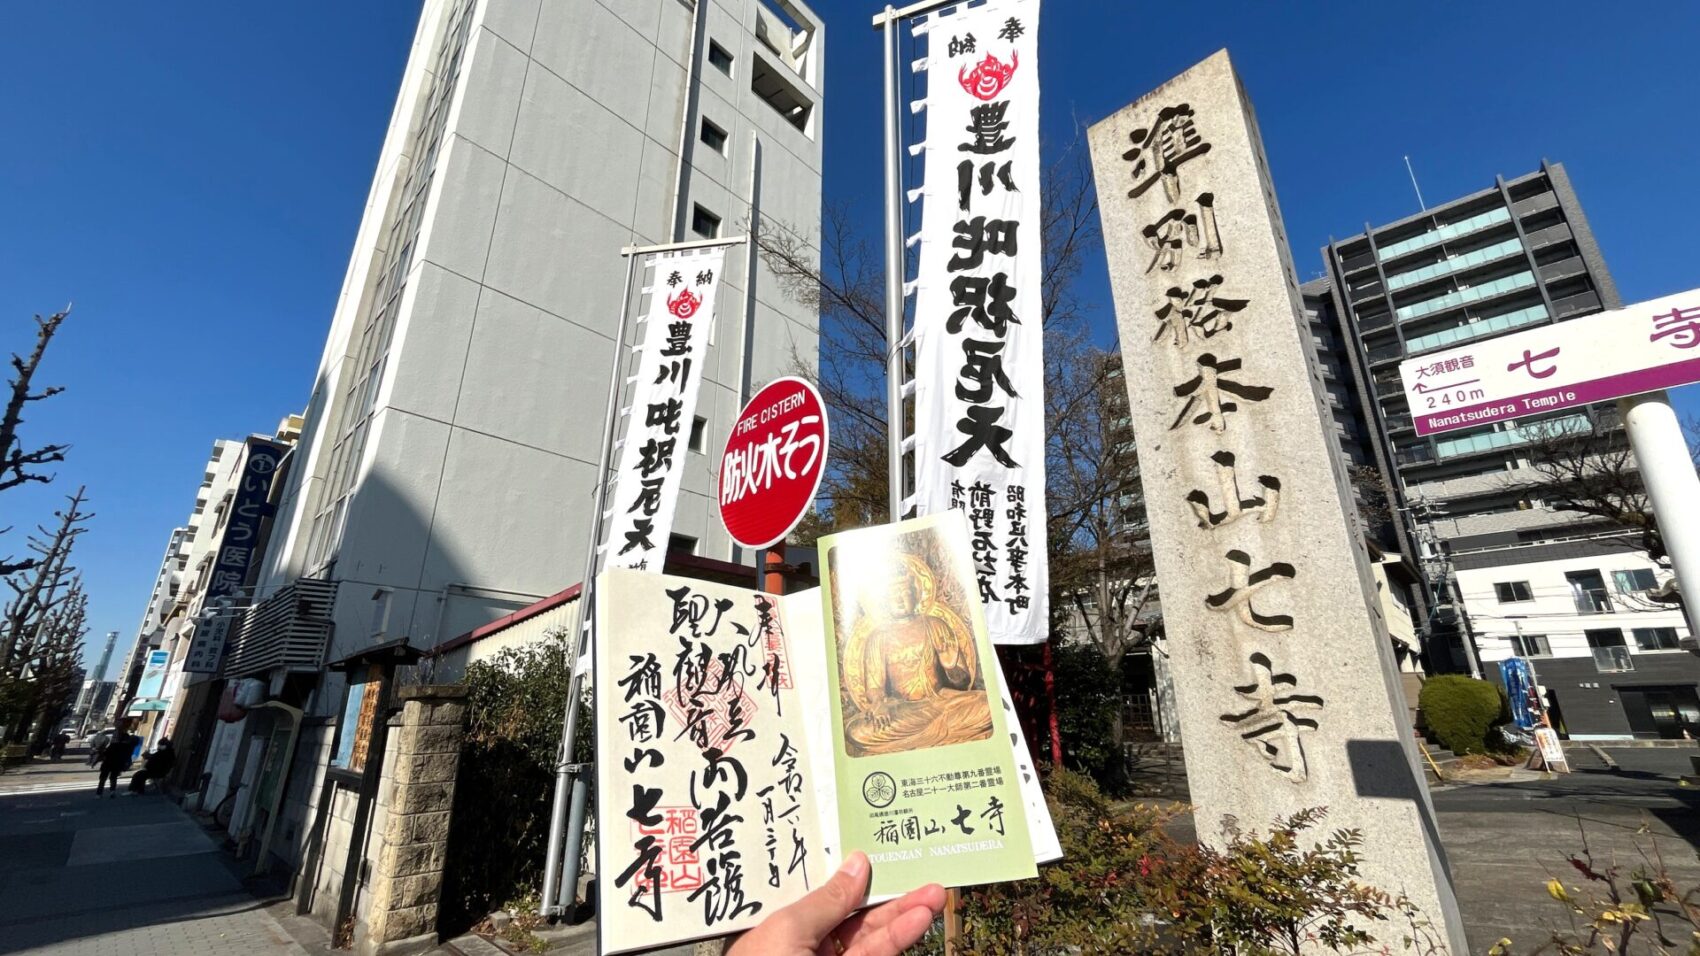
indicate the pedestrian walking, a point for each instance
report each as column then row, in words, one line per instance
column 114, row 760
column 60, row 741
column 154, row 766
column 97, row 746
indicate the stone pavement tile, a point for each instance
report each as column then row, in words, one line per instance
column 181, row 837
column 235, row 924
column 72, row 893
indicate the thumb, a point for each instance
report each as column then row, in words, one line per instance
column 820, row 912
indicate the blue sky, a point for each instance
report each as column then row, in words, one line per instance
column 191, row 175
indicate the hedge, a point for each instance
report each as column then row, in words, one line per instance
column 1459, row 711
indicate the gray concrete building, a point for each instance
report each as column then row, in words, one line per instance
column 1503, row 573
column 446, row 466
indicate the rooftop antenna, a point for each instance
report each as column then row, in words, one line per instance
column 1414, row 186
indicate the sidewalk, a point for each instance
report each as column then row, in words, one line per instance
column 125, row 876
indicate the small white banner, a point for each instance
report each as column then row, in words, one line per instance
column 979, row 362
column 663, row 405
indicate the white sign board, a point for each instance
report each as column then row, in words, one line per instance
column 1552, row 751
column 1642, row 348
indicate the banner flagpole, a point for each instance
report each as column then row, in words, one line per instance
column 561, row 863
column 550, row 904
column 894, row 270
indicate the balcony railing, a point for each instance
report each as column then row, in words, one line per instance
column 1593, row 601
column 1576, row 304
column 1415, row 455
column 1383, row 353
column 1613, row 660
column 1557, row 232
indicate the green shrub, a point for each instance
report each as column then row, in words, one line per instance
column 1089, row 701
column 499, row 830
column 1125, row 886
column 1460, row 711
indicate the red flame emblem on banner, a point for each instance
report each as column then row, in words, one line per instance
column 684, row 305
column 989, row 77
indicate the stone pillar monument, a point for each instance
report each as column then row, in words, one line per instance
column 407, row 879
column 1288, row 693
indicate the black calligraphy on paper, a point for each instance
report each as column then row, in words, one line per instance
column 644, row 722
column 781, row 808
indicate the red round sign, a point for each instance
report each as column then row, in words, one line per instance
column 773, row 463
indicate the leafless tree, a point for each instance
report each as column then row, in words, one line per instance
column 17, row 463
column 845, row 278
column 1102, row 573
column 1589, row 469
column 57, row 665
column 39, row 596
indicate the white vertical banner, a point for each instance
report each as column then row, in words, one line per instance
column 663, row 404
column 979, row 361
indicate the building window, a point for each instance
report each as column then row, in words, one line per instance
column 719, row 58
column 1531, row 645
column 1510, row 592
column 1656, row 639
column 705, row 223
column 1610, row 656
column 681, row 544
column 1628, row 582
column 1589, row 591
column 713, row 137
column 699, row 431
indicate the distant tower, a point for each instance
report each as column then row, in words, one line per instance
column 99, row 673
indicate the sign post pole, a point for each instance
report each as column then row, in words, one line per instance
column 1673, row 488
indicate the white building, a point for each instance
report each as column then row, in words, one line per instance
column 446, row 465
column 1617, row 662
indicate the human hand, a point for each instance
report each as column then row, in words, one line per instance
column 822, row 924
column 880, row 716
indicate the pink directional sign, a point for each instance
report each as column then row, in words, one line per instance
column 1641, row 348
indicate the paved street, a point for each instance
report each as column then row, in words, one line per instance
column 135, row 875
column 129, row 876
column 1506, row 840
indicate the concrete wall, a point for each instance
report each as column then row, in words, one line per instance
column 473, row 488
column 1591, row 703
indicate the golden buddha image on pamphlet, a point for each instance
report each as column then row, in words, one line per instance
column 910, row 675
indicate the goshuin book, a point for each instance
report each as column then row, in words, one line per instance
column 746, row 741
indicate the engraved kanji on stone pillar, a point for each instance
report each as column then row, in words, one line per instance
column 1243, row 583
column 1234, row 507
column 1274, row 722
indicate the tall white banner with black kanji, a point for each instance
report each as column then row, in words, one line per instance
column 979, row 362
column 663, row 405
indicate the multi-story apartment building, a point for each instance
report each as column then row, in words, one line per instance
column 1467, row 504
column 148, row 633
column 448, row 457
column 1397, row 579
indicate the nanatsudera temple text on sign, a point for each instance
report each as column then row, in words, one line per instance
column 1641, row 348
